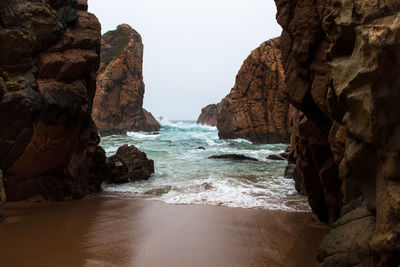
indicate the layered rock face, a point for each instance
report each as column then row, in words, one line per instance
column 48, row 61
column 257, row 107
column 209, row 115
column 120, row 88
column 342, row 62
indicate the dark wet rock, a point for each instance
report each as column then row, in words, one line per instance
column 293, row 172
column 275, row 157
column 128, row 165
column 285, row 155
column 233, row 157
column 201, row 148
column 2, row 192
column 289, row 171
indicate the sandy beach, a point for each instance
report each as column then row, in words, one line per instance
column 116, row 230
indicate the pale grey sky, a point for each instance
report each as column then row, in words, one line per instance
column 193, row 48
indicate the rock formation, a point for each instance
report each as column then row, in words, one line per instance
column 257, row 107
column 238, row 157
column 341, row 60
column 50, row 52
column 118, row 102
column 129, row 165
column 209, row 115
column 2, row 192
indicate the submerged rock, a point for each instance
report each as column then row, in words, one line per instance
column 275, row 157
column 257, row 107
column 239, row 157
column 209, row 115
column 129, row 164
column 201, row 148
column 118, row 104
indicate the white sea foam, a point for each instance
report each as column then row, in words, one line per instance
column 185, row 175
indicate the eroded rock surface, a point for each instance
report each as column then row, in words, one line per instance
column 129, row 164
column 118, row 105
column 50, row 52
column 257, row 107
column 341, row 60
column 209, row 115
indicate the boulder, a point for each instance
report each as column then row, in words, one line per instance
column 128, row 165
column 238, row 157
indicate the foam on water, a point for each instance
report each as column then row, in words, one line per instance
column 185, row 175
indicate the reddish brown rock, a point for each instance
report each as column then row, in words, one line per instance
column 257, row 107
column 342, row 67
column 48, row 61
column 209, row 115
column 117, row 106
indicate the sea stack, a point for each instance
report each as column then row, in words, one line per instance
column 342, row 71
column 118, row 104
column 49, row 55
column 257, row 107
column 209, row 115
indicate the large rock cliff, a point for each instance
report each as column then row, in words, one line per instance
column 341, row 59
column 120, row 88
column 49, row 55
column 257, row 107
column 209, row 115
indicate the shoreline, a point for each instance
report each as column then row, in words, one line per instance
column 117, row 230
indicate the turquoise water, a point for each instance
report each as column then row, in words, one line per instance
column 185, row 175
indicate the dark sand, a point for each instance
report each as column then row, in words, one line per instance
column 112, row 230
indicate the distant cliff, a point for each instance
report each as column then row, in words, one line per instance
column 341, row 60
column 120, row 88
column 257, row 107
column 209, row 115
column 49, row 55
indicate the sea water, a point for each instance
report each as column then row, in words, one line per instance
column 185, row 174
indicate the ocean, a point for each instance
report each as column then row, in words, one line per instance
column 185, row 174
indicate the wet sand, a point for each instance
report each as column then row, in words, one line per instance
column 115, row 230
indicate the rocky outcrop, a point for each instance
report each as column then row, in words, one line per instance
column 209, row 115
column 48, row 61
column 118, row 105
column 342, row 62
column 238, row 157
column 128, row 165
column 257, row 107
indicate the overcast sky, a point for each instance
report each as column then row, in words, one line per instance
column 193, row 48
